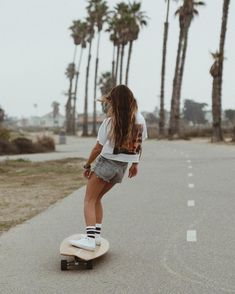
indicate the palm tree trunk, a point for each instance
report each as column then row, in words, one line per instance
column 68, row 108
column 117, row 64
column 128, row 61
column 233, row 134
column 217, row 134
column 180, row 80
column 162, row 94
column 94, row 132
column 69, row 111
column 172, row 123
column 113, row 66
column 75, row 91
column 121, row 64
column 75, row 53
column 224, row 26
column 85, row 114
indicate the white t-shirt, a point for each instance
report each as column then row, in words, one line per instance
column 130, row 153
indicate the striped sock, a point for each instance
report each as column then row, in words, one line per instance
column 98, row 229
column 90, row 231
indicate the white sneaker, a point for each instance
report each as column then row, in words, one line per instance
column 84, row 243
column 97, row 240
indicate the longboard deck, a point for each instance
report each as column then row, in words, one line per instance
column 69, row 250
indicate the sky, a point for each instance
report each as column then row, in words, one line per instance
column 36, row 48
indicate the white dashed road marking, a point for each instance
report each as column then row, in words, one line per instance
column 190, row 166
column 191, row 203
column 191, row 235
column 191, row 185
column 189, row 161
column 190, row 174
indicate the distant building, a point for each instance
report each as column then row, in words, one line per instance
column 99, row 119
column 45, row 121
column 50, row 121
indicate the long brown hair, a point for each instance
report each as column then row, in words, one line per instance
column 123, row 108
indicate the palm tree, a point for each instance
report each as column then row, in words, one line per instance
column 106, row 84
column 100, row 10
column 186, row 14
column 90, row 35
column 217, row 73
column 70, row 73
column 55, row 108
column 55, row 112
column 137, row 19
column 79, row 34
column 122, row 29
column 162, row 94
column 112, row 29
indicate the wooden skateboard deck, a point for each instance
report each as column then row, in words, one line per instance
column 81, row 256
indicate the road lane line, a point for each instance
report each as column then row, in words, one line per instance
column 189, row 161
column 190, row 166
column 190, row 174
column 191, row 235
column 191, row 203
column 191, row 185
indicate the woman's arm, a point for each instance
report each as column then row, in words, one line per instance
column 94, row 153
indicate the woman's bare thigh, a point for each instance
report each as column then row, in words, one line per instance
column 94, row 187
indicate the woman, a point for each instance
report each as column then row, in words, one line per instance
column 118, row 143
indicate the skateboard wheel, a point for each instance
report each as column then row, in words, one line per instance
column 89, row 264
column 64, row 265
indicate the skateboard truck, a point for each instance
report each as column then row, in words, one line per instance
column 76, row 262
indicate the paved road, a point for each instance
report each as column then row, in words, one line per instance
column 171, row 231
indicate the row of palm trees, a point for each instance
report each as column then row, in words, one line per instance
column 123, row 25
column 186, row 13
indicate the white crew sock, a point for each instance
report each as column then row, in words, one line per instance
column 90, row 231
column 98, row 229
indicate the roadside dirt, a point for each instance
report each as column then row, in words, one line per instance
column 27, row 188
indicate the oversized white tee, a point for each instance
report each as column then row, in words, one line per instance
column 130, row 153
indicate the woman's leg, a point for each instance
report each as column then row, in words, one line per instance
column 95, row 186
column 98, row 206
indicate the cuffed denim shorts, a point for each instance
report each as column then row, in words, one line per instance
column 111, row 171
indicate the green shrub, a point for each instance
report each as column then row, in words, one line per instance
column 4, row 134
column 46, row 142
column 24, row 145
column 8, row 148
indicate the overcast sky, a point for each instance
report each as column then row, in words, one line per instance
column 36, row 48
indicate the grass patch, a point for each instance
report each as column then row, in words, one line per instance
column 27, row 188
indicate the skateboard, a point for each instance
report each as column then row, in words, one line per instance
column 81, row 257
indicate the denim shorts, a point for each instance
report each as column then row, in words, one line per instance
column 111, row 171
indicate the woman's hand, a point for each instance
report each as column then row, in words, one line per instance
column 133, row 170
column 87, row 173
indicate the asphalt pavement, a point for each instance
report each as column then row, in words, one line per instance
column 171, row 229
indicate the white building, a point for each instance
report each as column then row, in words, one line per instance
column 45, row 121
column 49, row 121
